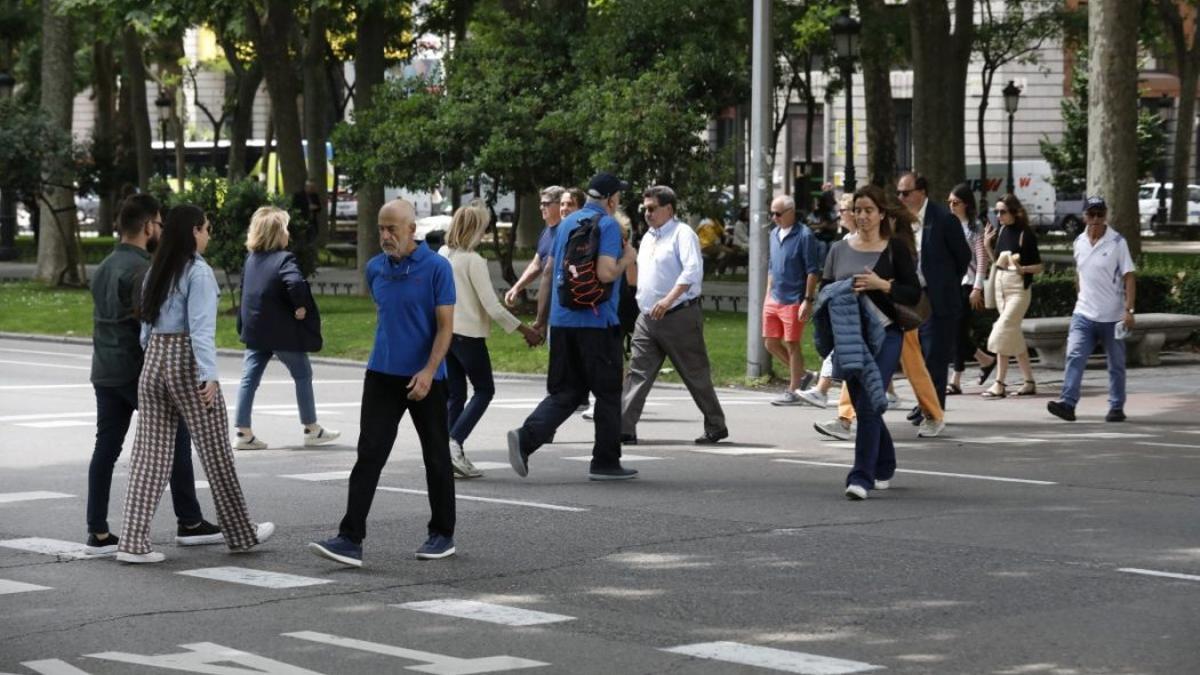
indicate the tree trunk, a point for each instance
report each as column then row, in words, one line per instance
column 877, row 87
column 104, row 85
column 940, row 56
column 316, row 105
column 1112, row 113
column 1185, row 126
column 178, row 125
column 272, row 35
column 58, row 254
column 240, row 129
column 134, row 71
column 371, row 34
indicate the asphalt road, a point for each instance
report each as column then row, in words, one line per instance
column 1011, row 545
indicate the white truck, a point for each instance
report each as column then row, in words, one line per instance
column 1033, row 188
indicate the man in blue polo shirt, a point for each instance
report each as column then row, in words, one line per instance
column 585, row 343
column 413, row 290
column 795, row 272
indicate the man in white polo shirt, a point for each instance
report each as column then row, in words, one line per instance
column 1104, row 279
column 670, row 323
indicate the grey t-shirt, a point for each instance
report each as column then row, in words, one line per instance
column 844, row 262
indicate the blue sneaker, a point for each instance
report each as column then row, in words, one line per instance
column 339, row 549
column 435, row 547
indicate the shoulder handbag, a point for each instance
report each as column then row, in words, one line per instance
column 989, row 284
column 909, row 317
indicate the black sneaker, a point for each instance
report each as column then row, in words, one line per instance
column 713, row 437
column 1063, row 411
column 628, row 439
column 204, row 533
column 614, row 473
column 807, row 380
column 97, row 546
column 916, row 416
column 1115, row 415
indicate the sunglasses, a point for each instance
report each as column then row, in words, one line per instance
column 546, row 205
column 650, row 209
column 905, row 193
column 1001, row 212
column 779, row 214
column 954, row 202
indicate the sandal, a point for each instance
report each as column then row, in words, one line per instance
column 953, row 389
column 997, row 390
column 1027, row 389
column 986, row 371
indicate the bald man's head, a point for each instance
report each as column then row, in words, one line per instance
column 397, row 225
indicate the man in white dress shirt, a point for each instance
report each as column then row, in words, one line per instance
column 670, row 323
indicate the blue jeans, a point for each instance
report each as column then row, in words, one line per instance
column 114, row 408
column 468, row 359
column 874, row 453
column 255, row 363
column 1081, row 342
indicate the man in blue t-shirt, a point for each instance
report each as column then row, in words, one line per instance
column 585, row 344
column 413, row 290
column 549, row 206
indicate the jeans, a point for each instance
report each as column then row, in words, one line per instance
column 874, row 453
column 384, row 402
column 253, row 365
column 582, row 360
column 1081, row 342
column 114, row 409
column 467, row 359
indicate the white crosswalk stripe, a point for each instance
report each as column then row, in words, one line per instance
column 10, row 497
column 55, row 547
column 773, row 659
column 486, row 611
column 8, row 587
column 253, row 577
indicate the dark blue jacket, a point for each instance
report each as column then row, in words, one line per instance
column 272, row 290
column 846, row 327
column 945, row 256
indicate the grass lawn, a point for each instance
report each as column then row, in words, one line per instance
column 349, row 328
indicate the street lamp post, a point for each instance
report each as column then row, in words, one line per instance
column 845, row 41
column 8, row 205
column 163, row 103
column 1012, row 98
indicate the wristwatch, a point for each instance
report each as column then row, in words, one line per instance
column 810, row 298
column 1130, row 311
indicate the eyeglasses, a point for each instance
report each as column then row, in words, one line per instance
column 650, row 209
column 546, row 205
column 1001, row 212
column 397, row 273
column 954, row 202
column 779, row 214
column 905, row 193
column 1095, row 214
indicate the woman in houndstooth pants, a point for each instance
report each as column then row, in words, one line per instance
column 179, row 378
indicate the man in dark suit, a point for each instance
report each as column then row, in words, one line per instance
column 944, row 257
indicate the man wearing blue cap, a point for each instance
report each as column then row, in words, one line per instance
column 1104, row 279
column 587, row 260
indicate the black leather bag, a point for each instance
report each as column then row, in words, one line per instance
column 909, row 317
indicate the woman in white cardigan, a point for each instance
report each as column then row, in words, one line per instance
column 475, row 309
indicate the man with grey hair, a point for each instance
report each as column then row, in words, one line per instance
column 793, row 275
column 549, row 205
column 670, row 323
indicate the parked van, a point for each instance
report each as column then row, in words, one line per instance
column 1033, row 188
column 1149, row 195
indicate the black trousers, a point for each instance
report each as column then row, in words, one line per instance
column 114, row 409
column 938, row 343
column 384, row 402
column 582, row 360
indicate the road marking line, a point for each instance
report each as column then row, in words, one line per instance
column 491, row 500
column 972, row 476
column 52, row 667
column 9, row 587
column 485, row 611
column 317, row 477
column 739, row 451
column 484, row 466
column 46, row 416
column 55, row 424
column 1156, row 573
column 773, row 659
column 55, row 547
column 45, row 365
column 438, row 664
column 34, row 351
column 10, row 497
column 252, row 577
column 200, row 485
column 1002, row 440
column 1101, row 435
column 624, row 458
column 1190, row 446
column 24, row 387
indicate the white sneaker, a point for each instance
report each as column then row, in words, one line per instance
column 894, row 402
column 590, row 413
column 930, row 428
column 141, row 558
column 321, row 436
column 813, row 397
column 836, row 428
column 463, row 468
column 787, row 398
column 856, row 492
column 248, row 442
column 883, row 484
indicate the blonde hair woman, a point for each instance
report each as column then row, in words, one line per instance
column 475, row 309
column 278, row 318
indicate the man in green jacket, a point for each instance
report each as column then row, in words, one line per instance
column 116, row 366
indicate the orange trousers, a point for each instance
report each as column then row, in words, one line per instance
column 912, row 362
